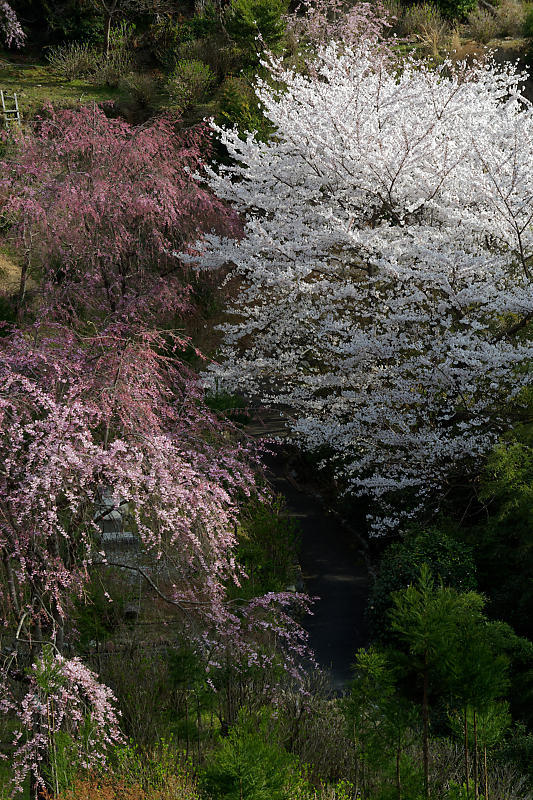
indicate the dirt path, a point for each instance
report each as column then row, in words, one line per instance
column 334, row 570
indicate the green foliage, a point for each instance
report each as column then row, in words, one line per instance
column 60, row 20
column 143, row 88
column 228, row 405
column 250, row 765
column 152, row 769
column 74, row 60
column 267, row 548
column 167, row 36
column 112, row 69
column 382, row 722
column 456, row 9
column 492, row 722
column 205, row 24
column 448, row 560
column 528, row 22
column 446, row 633
column 257, row 24
column 100, row 612
column 504, row 550
column 482, row 25
column 189, row 83
column 239, row 106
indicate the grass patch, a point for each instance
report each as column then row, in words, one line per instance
column 37, row 86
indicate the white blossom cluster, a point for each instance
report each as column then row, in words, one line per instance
column 386, row 266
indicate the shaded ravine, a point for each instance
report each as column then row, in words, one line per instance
column 334, row 570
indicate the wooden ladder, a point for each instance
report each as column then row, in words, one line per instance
column 11, row 114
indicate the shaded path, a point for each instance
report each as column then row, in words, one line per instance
column 334, row 570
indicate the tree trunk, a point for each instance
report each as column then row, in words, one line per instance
column 425, row 718
column 476, row 786
column 356, row 757
column 22, row 286
column 107, row 37
column 398, row 776
column 467, row 766
column 485, row 773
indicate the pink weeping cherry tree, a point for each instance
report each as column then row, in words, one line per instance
column 97, row 208
column 10, row 27
column 114, row 416
column 100, row 413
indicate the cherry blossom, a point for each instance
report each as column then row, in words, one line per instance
column 385, row 269
column 10, row 27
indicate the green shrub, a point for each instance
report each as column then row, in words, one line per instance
column 74, row 60
column 510, row 16
column 268, row 544
column 482, row 25
column 239, row 106
column 503, row 541
column 205, row 24
column 249, row 765
column 427, row 23
column 189, row 83
column 220, row 55
column 449, row 560
column 528, row 22
column 143, row 88
column 456, row 9
column 113, row 69
column 254, row 24
column 168, row 37
column 164, row 37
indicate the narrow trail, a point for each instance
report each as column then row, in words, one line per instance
column 334, row 570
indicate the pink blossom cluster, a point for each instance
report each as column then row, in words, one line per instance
column 101, row 207
column 319, row 22
column 10, row 27
column 63, row 695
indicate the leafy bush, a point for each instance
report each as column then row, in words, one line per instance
column 482, row 25
column 114, row 68
column 528, row 22
column 220, row 55
column 428, row 24
column 503, row 543
column 142, row 87
column 510, row 16
column 449, row 560
column 456, row 9
column 189, row 83
column 254, row 24
column 74, row 60
column 168, row 37
column 248, row 765
column 164, row 38
column 267, row 548
column 239, row 106
column 205, row 24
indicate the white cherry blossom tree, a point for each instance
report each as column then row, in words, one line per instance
column 386, row 266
